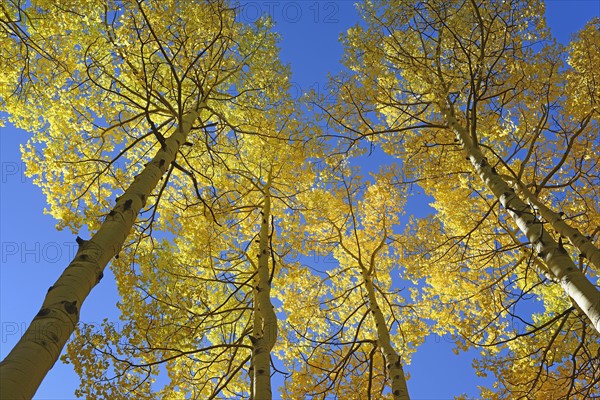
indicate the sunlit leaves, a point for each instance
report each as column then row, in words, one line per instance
column 496, row 67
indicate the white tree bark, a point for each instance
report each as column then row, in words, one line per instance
column 573, row 281
column 393, row 363
column 265, row 319
column 577, row 239
column 24, row 368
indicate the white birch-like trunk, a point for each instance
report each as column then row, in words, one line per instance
column 24, row 368
column 560, row 264
column 393, row 363
column 581, row 242
column 265, row 319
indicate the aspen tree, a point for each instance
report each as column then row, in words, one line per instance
column 196, row 305
column 471, row 96
column 353, row 332
column 129, row 80
column 439, row 72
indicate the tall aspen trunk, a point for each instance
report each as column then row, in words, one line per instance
column 265, row 320
column 393, row 363
column 24, row 368
column 577, row 239
column 560, row 264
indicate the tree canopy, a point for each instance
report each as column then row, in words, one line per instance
column 168, row 130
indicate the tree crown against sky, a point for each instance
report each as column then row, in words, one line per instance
column 434, row 82
column 426, row 82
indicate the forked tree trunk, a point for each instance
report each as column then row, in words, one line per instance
column 24, row 368
column 560, row 264
column 582, row 243
column 393, row 363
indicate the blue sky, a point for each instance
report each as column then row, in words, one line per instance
column 33, row 253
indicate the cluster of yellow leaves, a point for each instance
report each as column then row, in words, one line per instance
column 333, row 341
column 582, row 79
